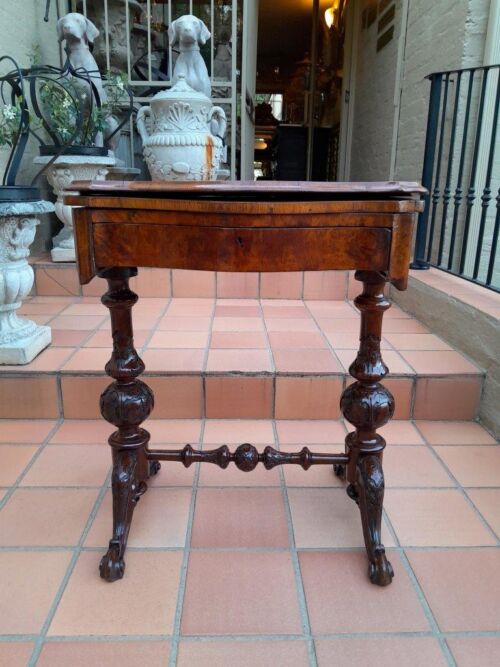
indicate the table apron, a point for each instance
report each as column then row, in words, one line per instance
column 238, row 249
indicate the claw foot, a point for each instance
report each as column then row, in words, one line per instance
column 154, row 467
column 352, row 493
column 339, row 470
column 112, row 565
column 380, row 570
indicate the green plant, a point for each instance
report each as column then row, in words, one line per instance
column 72, row 113
column 10, row 118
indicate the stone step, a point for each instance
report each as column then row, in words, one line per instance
column 61, row 279
column 235, row 359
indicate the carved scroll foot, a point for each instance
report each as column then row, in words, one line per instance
column 370, row 488
column 112, row 565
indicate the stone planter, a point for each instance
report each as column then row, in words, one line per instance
column 60, row 175
column 20, row 339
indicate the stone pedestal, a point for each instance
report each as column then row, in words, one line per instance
column 60, row 175
column 20, row 338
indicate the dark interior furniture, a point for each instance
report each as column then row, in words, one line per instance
column 263, row 226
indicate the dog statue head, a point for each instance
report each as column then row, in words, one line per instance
column 75, row 27
column 187, row 31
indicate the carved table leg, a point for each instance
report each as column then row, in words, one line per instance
column 368, row 405
column 126, row 403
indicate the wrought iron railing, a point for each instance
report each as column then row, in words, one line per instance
column 458, row 230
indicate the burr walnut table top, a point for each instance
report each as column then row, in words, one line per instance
column 246, row 226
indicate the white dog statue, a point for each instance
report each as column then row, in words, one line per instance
column 189, row 32
column 79, row 32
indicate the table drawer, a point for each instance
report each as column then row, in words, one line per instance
column 237, row 249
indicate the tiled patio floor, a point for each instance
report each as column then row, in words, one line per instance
column 265, row 569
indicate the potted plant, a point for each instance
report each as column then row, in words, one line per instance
column 81, row 128
column 20, row 207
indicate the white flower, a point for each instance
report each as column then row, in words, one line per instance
column 9, row 112
column 120, row 85
column 66, row 103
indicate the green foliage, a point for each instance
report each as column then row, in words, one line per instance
column 10, row 117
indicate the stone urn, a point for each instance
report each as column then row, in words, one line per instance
column 184, row 141
column 20, row 339
column 60, row 175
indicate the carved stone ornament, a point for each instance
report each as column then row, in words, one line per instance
column 60, row 175
column 20, row 338
column 184, row 140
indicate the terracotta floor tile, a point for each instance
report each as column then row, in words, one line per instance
column 104, row 654
column 442, row 362
column 243, row 397
column 39, row 397
column 403, row 326
column 82, row 432
column 47, row 518
column 234, row 518
column 96, row 308
column 149, row 587
column 276, row 324
column 191, row 306
column 172, row 361
column 244, row 361
column 454, row 433
column 57, row 281
column 183, row 323
column 308, row 432
column 407, row 341
column 65, row 465
column 317, row 476
column 15, row 654
column 30, row 581
column 173, row 430
column 341, row 599
column 473, row 466
column 238, row 340
column 462, row 587
column 236, row 431
column 224, row 310
column 260, row 653
column 387, row 651
column 288, row 340
column 77, row 322
column 487, row 502
column 240, row 285
column 29, row 307
column 88, row 359
column 325, row 284
column 447, row 398
column 68, row 338
column 160, row 520
column 51, row 359
column 179, row 339
column 172, row 474
column 349, row 341
column 402, row 389
column 250, row 593
column 336, row 520
column 177, row 396
column 475, row 651
column 25, row 431
column 435, row 518
column 193, row 283
column 293, row 312
column 400, row 432
column 306, row 361
column 308, row 397
column 238, row 324
column 281, row 285
column 395, row 363
column 212, row 475
column 103, row 339
column 14, row 459
column 80, row 395
column 332, row 309
column 414, row 466
column 346, row 325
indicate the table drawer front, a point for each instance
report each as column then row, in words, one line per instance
column 228, row 249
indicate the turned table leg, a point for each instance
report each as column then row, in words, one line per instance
column 126, row 403
column 368, row 405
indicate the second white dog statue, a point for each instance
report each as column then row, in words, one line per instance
column 189, row 32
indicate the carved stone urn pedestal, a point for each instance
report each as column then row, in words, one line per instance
column 20, row 339
column 60, row 175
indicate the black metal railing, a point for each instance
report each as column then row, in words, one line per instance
column 458, row 230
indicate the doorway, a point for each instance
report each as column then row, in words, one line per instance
column 299, row 98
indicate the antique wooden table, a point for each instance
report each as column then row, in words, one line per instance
column 263, row 226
